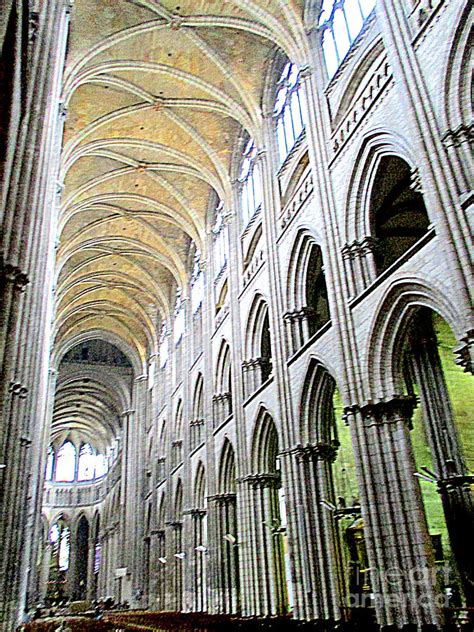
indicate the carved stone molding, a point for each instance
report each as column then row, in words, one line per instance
column 261, row 481
column 387, row 412
column 226, row 498
column 317, row 452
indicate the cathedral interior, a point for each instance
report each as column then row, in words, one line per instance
column 236, row 314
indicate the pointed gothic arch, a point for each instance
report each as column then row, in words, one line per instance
column 307, row 295
column 222, row 399
column 257, row 367
column 199, row 527
column 227, row 532
column 268, row 575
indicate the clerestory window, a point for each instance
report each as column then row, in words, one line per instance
column 86, row 465
column 66, row 463
column 289, row 110
column 340, row 22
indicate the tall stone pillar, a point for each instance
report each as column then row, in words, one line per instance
column 223, row 513
column 319, row 592
column 269, row 586
column 136, row 517
column 27, row 217
column 398, row 544
column 448, row 461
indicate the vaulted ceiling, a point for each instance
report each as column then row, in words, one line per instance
column 157, row 95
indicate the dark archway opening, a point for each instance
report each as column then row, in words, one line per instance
column 398, row 213
column 316, row 292
column 82, row 559
column 266, row 349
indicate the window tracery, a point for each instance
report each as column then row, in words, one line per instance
column 340, row 22
column 288, row 110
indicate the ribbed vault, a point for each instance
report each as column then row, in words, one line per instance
column 92, row 391
column 157, row 95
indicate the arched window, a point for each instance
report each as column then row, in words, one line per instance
column 66, row 463
column 222, row 400
column 219, row 232
column 268, row 551
column 251, row 199
column 288, row 110
column 257, row 367
column 340, row 23
column 86, row 464
column 50, row 464
column 397, row 209
column 307, row 292
column 226, row 520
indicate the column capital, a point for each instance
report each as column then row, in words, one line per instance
column 141, row 378
column 129, row 411
column 400, row 408
column 225, row 498
column 262, row 480
column 317, row 451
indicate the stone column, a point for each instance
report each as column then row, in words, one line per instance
column 137, row 456
column 226, row 552
column 448, row 461
column 320, row 591
column 398, row 543
column 266, row 547
column 160, row 557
